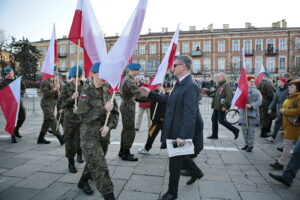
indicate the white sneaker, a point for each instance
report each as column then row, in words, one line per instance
column 143, row 151
column 270, row 139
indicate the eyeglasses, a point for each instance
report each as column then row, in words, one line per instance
column 175, row 65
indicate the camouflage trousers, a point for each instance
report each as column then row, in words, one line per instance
column 49, row 120
column 265, row 119
column 72, row 139
column 128, row 122
column 94, row 151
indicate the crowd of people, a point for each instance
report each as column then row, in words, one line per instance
column 88, row 113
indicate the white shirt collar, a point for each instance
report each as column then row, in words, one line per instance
column 180, row 79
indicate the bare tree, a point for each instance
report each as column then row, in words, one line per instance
column 3, row 40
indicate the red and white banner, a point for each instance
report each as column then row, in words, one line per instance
column 260, row 75
column 240, row 98
column 10, row 102
column 85, row 28
column 51, row 57
column 114, row 64
column 167, row 62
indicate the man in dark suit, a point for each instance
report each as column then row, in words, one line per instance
column 180, row 122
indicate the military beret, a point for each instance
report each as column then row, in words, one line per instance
column 73, row 71
column 7, row 69
column 55, row 68
column 284, row 80
column 250, row 78
column 267, row 74
column 95, row 68
column 134, row 66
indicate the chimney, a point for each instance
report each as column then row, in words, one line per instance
column 278, row 24
column 117, row 34
column 42, row 39
column 64, row 37
column 105, row 34
column 248, row 25
column 192, row 28
column 226, row 26
column 283, row 23
column 149, row 30
column 166, row 29
column 210, row 27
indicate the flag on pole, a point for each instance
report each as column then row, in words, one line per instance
column 240, row 98
column 10, row 103
column 260, row 75
column 114, row 64
column 167, row 61
column 85, row 28
column 51, row 57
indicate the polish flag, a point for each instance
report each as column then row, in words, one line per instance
column 114, row 64
column 10, row 103
column 167, row 62
column 240, row 98
column 51, row 57
column 85, row 30
column 260, row 75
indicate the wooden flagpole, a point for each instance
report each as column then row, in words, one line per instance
column 76, row 84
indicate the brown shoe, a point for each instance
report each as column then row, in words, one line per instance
column 277, row 165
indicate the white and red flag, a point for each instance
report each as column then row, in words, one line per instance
column 260, row 75
column 85, row 30
column 240, row 98
column 167, row 62
column 114, row 64
column 51, row 57
column 10, row 102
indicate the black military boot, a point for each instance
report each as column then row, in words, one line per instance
column 13, row 139
column 128, row 157
column 84, row 185
column 121, row 152
column 17, row 133
column 60, row 139
column 109, row 196
column 79, row 157
column 263, row 133
column 72, row 167
column 42, row 140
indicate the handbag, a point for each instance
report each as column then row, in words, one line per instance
column 295, row 120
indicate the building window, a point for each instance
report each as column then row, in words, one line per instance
column 235, row 45
column 248, row 46
column 196, row 66
column 236, row 63
column 178, row 49
column 81, row 62
column 62, row 65
column 258, row 63
column 258, row 45
column 221, row 64
column 282, row 62
column 207, row 46
column 271, row 45
column 142, row 48
column 206, row 64
column 81, row 50
column 186, row 47
column 221, row 46
column 72, row 48
column 165, row 47
column 297, row 62
column 72, row 62
column 271, row 64
column 282, row 44
column 196, row 46
column 152, row 48
column 248, row 65
column 62, row 50
column 135, row 52
column 297, row 43
column 142, row 63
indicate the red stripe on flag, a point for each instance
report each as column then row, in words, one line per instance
column 55, row 52
column 243, row 86
column 172, row 56
column 46, row 76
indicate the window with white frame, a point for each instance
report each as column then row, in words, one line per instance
column 62, row 65
column 81, row 50
column 72, row 62
column 152, row 48
column 186, row 47
column 62, row 50
column 221, row 64
column 142, row 49
column 72, row 48
column 236, row 63
column 221, row 46
column 196, row 66
column 235, row 45
column 248, row 46
column 196, row 46
column 271, row 64
column 297, row 43
column 271, row 45
column 258, row 45
column 258, row 63
column 248, row 63
column 282, row 62
column 207, row 46
column 135, row 52
column 282, row 44
column 165, row 47
column 142, row 63
column 207, row 64
column 297, row 61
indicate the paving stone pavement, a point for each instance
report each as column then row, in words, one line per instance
column 32, row 171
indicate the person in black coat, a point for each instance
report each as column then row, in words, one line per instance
column 180, row 122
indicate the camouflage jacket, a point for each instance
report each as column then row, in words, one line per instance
column 67, row 103
column 222, row 96
column 266, row 89
column 62, row 84
column 92, row 112
column 129, row 90
column 49, row 95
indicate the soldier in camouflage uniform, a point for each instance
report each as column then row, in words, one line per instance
column 10, row 77
column 94, row 103
column 60, row 112
column 129, row 92
column 49, row 91
column 266, row 89
column 71, row 119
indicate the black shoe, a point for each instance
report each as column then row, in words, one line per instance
column 109, row 196
column 264, row 135
column 71, row 166
column 13, row 139
column 17, row 134
column 60, row 139
column 84, row 185
column 185, row 172
column 212, row 137
column 129, row 157
column 236, row 134
column 277, row 165
column 193, row 179
column 280, row 179
column 280, row 149
column 43, row 141
column 79, row 158
column 249, row 149
column 245, row 147
column 167, row 196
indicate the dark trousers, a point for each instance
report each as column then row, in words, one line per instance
column 278, row 125
column 175, row 165
column 294, row 164
column 153, row 132
column 219, row 117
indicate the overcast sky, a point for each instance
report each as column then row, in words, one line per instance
column 34, row 18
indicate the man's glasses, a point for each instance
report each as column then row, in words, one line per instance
column 175, row 65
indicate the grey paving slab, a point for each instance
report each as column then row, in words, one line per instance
column 54, row 191
column 123, row 172
column 24, row 170
column 18, row 193
column 118, row 186
column 71, row 194
column 44, row 160
column 39, row 180
column 13, row 162
column 234, row 159
column 155, row 169
column 71, row 178
column 259, row 196
column 19, row 148
column 292, row 193
column 244, row 187
column 6, row 182
column 215, row 175
column 132, row 195
column 2, row 170
column 29, row 154
column 55, row 167
column 149, row 184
